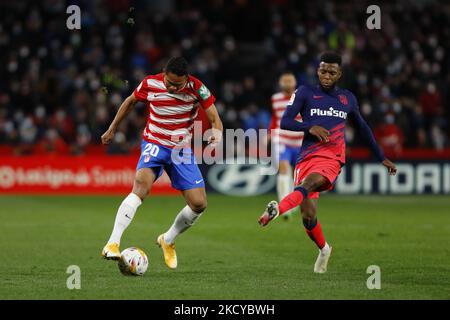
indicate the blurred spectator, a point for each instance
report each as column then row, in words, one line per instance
column 434, row 120
column 341, row 38
column 83, row 139
column 51, row 143
column 63, row 124
column 390, row 136
column 431, row 103
column 118, row 146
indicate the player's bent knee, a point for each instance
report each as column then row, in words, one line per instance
column 308, row 185
column 141, row 188
column 198, row 206
column 313, row 182
column 308, row 213
column 141, row 193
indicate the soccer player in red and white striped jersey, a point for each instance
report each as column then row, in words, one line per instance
column 289, row 142
column 173, row 99
column 171, row 114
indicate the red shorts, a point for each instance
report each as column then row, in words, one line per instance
column 328, row 168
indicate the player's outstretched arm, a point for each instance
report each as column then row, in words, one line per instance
column 367, row 133
column 124, row 109
column 216, row 125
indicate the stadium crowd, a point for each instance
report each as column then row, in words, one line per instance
column 60, row 88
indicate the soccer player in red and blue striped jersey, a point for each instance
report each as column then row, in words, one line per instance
column 324, row 109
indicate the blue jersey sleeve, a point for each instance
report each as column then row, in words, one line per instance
column 365, row 130
column 294, row 107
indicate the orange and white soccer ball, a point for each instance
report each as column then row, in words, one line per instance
column 133, row 261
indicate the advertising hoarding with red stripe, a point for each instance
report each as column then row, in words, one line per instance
column 71, row 174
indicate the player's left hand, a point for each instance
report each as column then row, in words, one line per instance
column 215, row 137
column 392, row 169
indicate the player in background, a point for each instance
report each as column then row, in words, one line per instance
column 324, row 109
column 173, row 98
column 289, row 142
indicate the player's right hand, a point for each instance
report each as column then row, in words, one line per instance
column 392, row 169
column 108, row 136
column 320, row 133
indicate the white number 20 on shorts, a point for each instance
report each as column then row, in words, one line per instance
column 150, row 150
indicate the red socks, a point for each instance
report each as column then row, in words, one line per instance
column 316, row 235
column 313, row 228
column 292, row 200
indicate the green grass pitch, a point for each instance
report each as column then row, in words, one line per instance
column 226, row 255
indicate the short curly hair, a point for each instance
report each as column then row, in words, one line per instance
column 331, row 57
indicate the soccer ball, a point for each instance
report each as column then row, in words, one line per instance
column 133, row 261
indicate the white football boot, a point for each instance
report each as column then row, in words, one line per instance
column 322, row 260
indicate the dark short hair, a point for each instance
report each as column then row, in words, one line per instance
column 331, row 57
column 177, row 65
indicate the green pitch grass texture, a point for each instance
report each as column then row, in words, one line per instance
column 227, row 255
